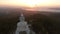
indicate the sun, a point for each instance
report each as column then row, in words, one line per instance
column 33, row 3
column 28, row 3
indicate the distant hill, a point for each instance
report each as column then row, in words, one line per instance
column 55, row 8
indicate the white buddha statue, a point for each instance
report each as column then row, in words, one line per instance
column 22, row 25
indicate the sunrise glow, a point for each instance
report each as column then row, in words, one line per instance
column 30, row 3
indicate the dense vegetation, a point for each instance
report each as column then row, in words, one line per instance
column 40, row 22
column 44, row 24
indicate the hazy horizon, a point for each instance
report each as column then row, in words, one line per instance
column 31, row 3
column 45, row 5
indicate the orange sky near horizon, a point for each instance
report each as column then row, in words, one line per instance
column 30, row 3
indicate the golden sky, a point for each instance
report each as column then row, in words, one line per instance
column 30, row 3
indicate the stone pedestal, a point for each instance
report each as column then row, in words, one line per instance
column 22, row 32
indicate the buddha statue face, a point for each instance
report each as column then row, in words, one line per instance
column 22, row 17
